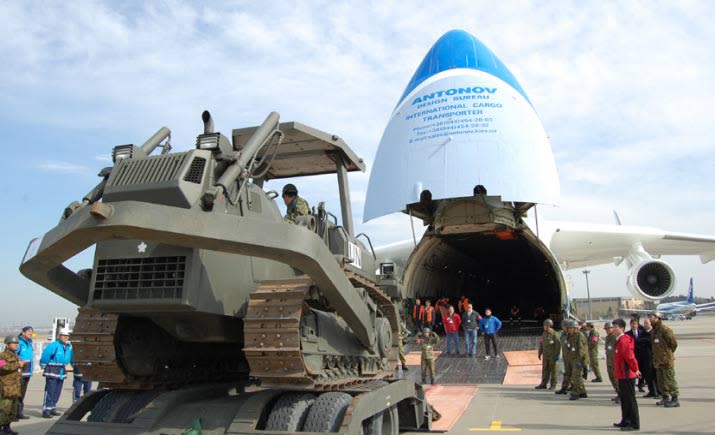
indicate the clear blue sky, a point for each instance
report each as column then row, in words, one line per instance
column 624, row 89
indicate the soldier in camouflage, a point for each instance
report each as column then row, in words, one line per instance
column 593, row 339
column 664, row 346
column 401, row 344
column 549, row 349
column 10, row 383
column 566, row 381
column 610, row 349
column 584, row 330
column 428, row 341
column 577, row 357
column 295, row 205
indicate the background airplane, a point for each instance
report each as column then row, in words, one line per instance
column 465, row 152
column 686, row 309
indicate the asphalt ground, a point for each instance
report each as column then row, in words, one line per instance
column 519, row 408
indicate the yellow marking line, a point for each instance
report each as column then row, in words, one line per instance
column 495, row 427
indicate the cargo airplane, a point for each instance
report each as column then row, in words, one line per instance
column 465, row 152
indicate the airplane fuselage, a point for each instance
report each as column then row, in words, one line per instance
column 678, row 308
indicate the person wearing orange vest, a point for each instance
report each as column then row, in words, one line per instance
column 463, row 304
column 441, row 310
column 429, row 315
column 418, row 314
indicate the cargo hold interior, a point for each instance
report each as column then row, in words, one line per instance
column 494, row 270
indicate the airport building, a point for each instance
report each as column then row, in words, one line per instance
column 601, row 308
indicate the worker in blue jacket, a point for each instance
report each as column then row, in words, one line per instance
column 25, row 353
column 56, row 356
column 489, row 326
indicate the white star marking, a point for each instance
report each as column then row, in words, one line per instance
column 141, row 248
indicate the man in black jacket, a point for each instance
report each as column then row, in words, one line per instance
column 641, row 346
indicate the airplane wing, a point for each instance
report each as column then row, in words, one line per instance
column 705, row 307
column 580, row 244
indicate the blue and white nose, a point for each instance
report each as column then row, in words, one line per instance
column 462, row 121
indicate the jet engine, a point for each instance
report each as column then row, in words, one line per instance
column 651, row 280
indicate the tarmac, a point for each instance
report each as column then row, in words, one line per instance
column 494, row 407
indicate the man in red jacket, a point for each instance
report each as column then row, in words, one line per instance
column 625, row 368
column 452, row 322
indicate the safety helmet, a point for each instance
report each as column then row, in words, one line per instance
column 548, row 322
column 290, row 189
column 64, row 331
column 11, row 339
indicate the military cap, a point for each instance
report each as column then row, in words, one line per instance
column 11, row 339
column 655, row 314
column 290, row 189
column 607, row 325
column 426, row 330
column 548, row 322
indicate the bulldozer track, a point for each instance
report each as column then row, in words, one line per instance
column 272, row 336
column 271, row 340
column 388, row 309
column 93, row 346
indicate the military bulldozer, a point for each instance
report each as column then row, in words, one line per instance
column 204, row 309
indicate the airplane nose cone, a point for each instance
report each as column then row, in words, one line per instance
column 459, row 49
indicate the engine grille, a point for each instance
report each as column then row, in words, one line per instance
column 140, row 278
column 196, row 170
column 149, row 170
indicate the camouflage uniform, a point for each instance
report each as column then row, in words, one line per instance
column 593, row 339
column 10, row 386
column 427, row 362
column 566, row 381
column 401, row 345
column 584, row 369
column 610, row 350
column 298, row 207
column 549, row 350
column 664, row 344
column 577, row 357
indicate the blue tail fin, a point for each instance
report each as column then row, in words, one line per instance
column 691, row 296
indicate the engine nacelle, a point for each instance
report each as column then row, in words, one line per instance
column 651, row 280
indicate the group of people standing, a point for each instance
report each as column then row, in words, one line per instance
column 644, row 354
column 469, row 321
column 16, row 369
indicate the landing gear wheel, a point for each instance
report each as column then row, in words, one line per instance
column 385, row 423
column 289, row 412
column 327, row 412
